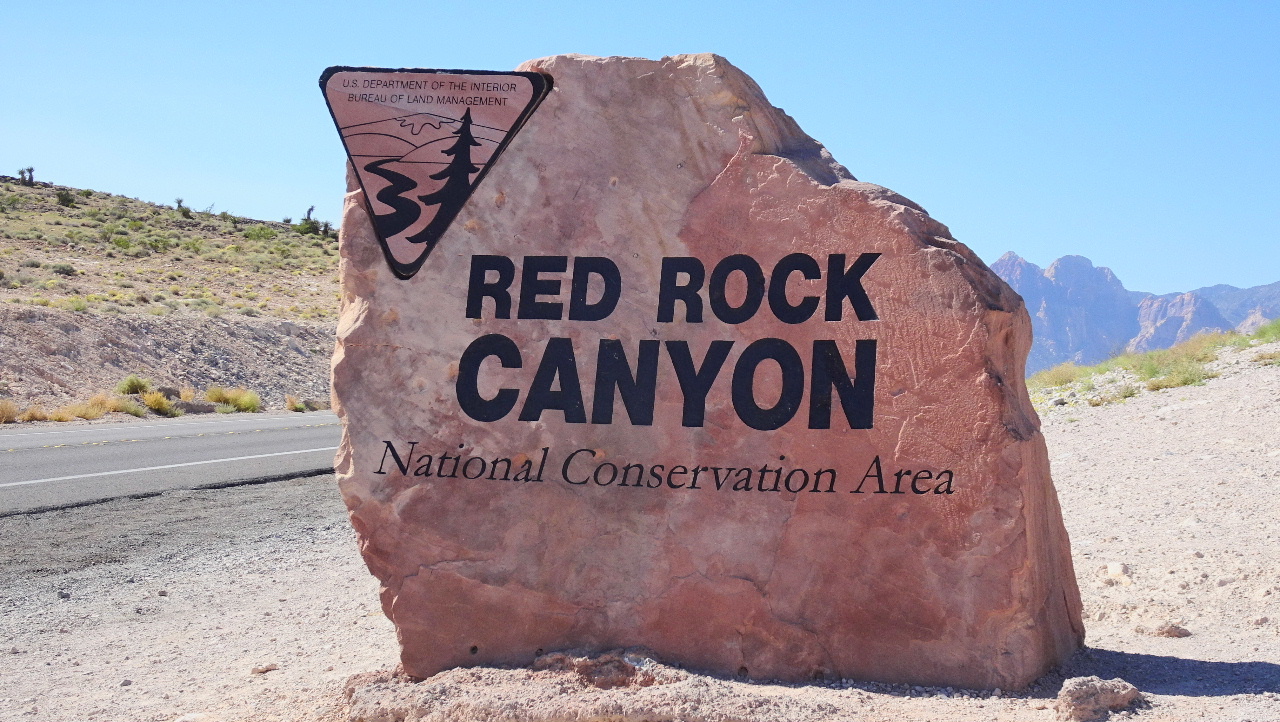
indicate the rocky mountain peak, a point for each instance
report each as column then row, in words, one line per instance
column 1082, row 313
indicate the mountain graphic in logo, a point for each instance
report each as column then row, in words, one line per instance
column 421, row 141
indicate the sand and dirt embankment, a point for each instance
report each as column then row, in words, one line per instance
column 1169, row 498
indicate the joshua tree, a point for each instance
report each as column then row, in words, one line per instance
column 27, row 176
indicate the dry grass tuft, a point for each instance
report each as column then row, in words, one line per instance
column 241, row 399
column 1060, row 375
column 34, row 413
column 86, row 411
column 292, row 403
column 1272, row 358
column 160, row 404
column 8, row 412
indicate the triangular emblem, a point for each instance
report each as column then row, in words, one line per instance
column 422, row 140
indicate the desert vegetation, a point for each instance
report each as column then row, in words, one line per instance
column 137, row 396
column 1126, row 375
column 92, row 252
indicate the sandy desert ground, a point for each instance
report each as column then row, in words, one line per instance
column 162, row 608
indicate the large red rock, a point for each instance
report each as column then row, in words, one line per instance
column 956, row 572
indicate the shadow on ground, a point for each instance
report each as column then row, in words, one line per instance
column 1175, row 675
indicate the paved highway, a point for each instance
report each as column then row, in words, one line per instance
column 52, row 467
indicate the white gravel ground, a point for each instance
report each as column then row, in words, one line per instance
column 1170, row 499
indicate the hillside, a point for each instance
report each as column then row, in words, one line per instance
column 94, row 286
column 82, row 250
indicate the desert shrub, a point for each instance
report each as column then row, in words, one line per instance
column 1272, row 358
column 103, row 401
column 63, row 269
column 245, row 400
column 1268, row 332
column 75, row 303
column 260, row 233
column 84, row 411
column 8, row 411
column 1179, row 365
column 1183, row 372
column 292, row 403
column 186, row 393
column 61, row 413
column 131, row 408
column 65, row 198
column 34, row 413
column 225, row 409
column 133, row 384
column 107, row 402
column 30, row 263
column 240, row 399
column 160, row 404
column 184, row 211
column 86, row 193
column 1059, row 375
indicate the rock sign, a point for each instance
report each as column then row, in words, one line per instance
column 667, row 375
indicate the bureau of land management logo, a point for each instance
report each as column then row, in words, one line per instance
column 421, row 141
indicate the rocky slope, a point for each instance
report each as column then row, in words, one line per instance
column 50, row 357
column 96, row 286
column 1084, row 314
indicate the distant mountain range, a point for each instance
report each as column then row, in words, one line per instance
column 1084, row 314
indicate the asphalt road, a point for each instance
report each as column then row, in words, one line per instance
column 50, row 467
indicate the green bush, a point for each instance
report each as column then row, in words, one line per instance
column 246, row 401
column 240, row 399
column 63, row 269
column 133, row 384
column 131, row 409
column 1268, row 332
column 65, row 198
column 260, row 233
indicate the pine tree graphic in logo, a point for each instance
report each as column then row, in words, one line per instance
column 421, row 141
column 457, row 184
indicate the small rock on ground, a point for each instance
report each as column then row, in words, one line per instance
column 1083, row 699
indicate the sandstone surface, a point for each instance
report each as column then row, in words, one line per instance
column 925, row 544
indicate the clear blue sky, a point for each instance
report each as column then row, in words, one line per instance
column 1141, row 135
